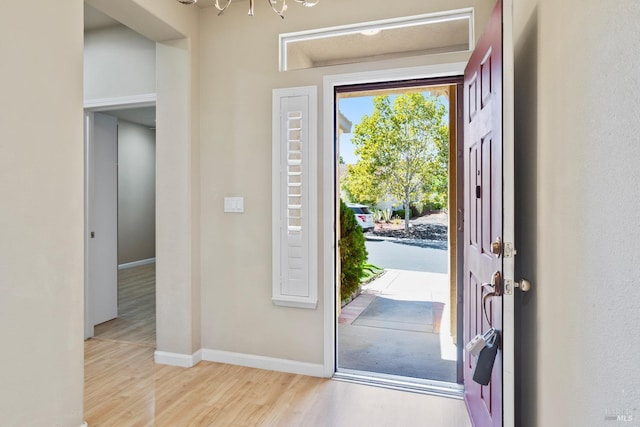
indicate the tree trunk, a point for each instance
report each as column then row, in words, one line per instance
column 407, row 215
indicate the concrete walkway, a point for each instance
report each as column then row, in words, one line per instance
column 400, row 325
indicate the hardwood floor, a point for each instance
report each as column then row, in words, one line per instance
column 136, row 321
column 123, row 386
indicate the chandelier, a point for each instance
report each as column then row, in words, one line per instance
column 278, row 6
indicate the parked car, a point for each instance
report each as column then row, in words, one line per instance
column 363, row 216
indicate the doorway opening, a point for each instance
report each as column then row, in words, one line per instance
column 121, row 158
column 397, row 166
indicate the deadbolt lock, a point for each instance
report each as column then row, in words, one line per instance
column 496, row 247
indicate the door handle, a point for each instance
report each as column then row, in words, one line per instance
column 495, row 290
column 523, row 284
column 496, row 286
column 497, row 247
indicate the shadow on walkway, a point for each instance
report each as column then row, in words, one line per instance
column 399, row 326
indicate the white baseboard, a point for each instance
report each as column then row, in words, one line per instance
column 177, row 359
column 240, row 359
column 136, row 263
column 262, row 362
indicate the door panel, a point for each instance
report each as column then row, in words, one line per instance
column 483, row 168
column 103, row 221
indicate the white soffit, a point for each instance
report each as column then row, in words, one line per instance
column 443, row 32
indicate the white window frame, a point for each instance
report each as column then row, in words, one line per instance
column 303, row 292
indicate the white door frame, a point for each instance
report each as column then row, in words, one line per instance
column 329, row 160
column 509, row 212
column 92, row 106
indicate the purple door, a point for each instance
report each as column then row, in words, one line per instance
column 483, row 213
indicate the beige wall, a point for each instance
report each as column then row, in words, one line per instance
column 136, row 192
column 41, row 214
column 239, row 69
column 578, row 231
column 118, row 62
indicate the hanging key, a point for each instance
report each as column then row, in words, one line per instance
column 486, row 359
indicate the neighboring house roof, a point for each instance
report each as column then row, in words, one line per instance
column 344, row 124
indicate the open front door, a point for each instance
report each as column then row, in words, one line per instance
column 488, row 207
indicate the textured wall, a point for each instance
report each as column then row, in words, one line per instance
column 41, row 218
column 136, row 192
column 577, row 129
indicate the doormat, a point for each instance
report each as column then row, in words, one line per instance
column 415, row 316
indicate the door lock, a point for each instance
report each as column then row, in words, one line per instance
column 497, row 247
column 524, row 285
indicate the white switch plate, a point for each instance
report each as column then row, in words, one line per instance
column 234, row 204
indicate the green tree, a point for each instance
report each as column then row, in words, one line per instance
column 353, row 253
column 403, row 153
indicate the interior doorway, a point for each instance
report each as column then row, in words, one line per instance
column 121, row 158
column 397, row 164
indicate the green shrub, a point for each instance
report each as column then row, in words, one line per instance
column 353, row 253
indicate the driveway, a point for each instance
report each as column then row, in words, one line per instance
column 410, row 255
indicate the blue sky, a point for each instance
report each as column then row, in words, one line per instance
column 355, row 109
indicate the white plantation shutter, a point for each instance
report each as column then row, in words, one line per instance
column 294, row 197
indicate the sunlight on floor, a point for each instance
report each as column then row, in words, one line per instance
column 419, row 286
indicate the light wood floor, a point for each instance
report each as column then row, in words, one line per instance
column 136, row 321
column 123, row 386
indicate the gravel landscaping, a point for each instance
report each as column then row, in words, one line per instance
column 417, row 231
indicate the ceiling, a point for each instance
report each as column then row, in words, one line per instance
column 439, row 37
column 145, row 116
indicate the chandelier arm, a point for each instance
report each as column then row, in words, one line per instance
column 308, row 3
column 273, row 4
column 222, row 9
column 280, row 13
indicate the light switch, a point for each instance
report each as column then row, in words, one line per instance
column 234, row 204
